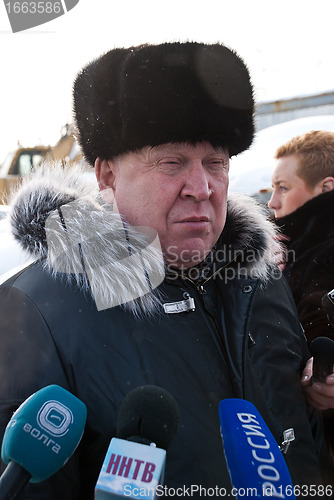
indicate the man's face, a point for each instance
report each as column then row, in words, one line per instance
column 289, row 190
column 180, row 190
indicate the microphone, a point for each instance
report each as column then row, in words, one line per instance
column 40, row 437
column 322, row 350
column 135, row 461
column 253, row 457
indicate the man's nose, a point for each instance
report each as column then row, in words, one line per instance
column 196, row 183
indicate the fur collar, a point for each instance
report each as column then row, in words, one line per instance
column 310, row 223
column 57, row 215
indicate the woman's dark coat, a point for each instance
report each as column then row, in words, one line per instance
column 310, row 261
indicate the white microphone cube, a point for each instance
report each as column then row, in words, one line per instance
column 130, row 470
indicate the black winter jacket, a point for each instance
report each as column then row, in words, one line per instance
column 241, row 340
column 310, row 261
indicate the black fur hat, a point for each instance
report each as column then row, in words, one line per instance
column 154, row 94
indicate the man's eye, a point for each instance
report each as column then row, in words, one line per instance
column 169, row 164
column 218, row 163
column 170, row 161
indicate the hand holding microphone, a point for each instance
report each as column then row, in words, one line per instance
column 319, row 393
column 40, row 437
column 318, row 390
column 322, row 348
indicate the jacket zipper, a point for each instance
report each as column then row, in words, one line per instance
column 201, row 291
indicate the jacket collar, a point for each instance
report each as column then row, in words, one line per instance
column 310, row 223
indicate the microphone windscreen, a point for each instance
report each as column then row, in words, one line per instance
column 44, row 432
column 149, row 412
column 322, row 346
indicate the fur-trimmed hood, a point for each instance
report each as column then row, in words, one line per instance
column 57, row 215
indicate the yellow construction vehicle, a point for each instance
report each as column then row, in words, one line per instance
column 20, row 162
column 17, row 164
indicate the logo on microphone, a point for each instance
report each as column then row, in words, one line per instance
column 55, row 418
column 25, row 14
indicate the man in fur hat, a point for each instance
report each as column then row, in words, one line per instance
column 158, row 279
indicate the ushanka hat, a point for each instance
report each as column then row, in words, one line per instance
column 155, row 94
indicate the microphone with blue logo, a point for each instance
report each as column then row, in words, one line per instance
column 254, row 459
column 134, row 464
column 41, row 436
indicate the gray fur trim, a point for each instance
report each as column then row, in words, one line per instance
column 52, row 216
column 58, row 216
column 254, row 235
column 47, row 188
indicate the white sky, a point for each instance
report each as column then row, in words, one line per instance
column 287, row 44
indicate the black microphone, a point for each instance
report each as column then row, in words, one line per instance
column 135, row 461
column 322, row 350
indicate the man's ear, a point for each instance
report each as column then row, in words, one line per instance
column 327, row 184
column 104, row 171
